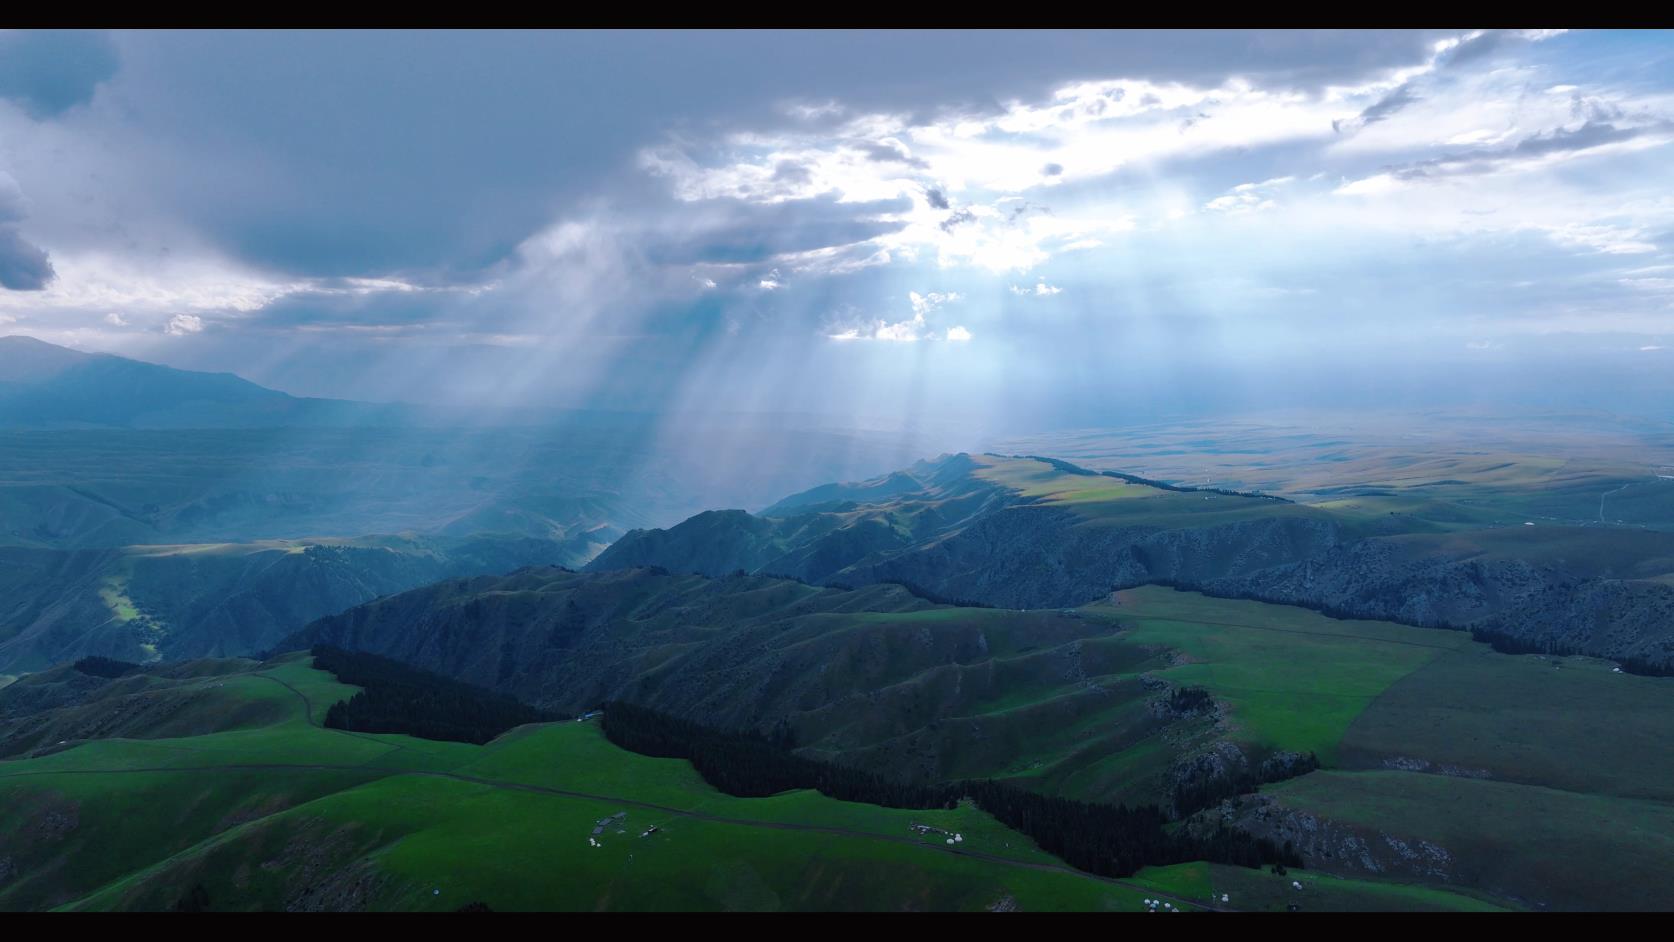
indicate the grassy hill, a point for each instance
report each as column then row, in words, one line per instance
column 1094, row 703
column 287, row 814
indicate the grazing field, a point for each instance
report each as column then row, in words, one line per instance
column 1544, row 847
column 1571, row 723
column 258, row 816
column 218, row 780
column 1449, row 470
column 1115, row 502
column 1266, row 891
column 1293, row 679
column 1545, row 780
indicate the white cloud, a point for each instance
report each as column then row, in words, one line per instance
column 1608, row 240
column 116, row 320
column 1248, row 197
column 916, row 328
column 925, row 303
column 1040, row 290
column 182, row 324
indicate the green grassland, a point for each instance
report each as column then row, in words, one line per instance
column 261, row 816
column 1570, row 723
column 1546, row 847
column 288, row 814
column 1293, row 679
column 249, row 797
column 1547, row 780
column 1265, row 891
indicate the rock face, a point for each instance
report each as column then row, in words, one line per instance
column 957, row 536
column 1332, row 847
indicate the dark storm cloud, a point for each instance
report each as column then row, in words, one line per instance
column 957, row 219
column 23, row 265
column 1381, row 109
column 48, row 72
column 1560, row 141
column 1585, row 137
column 884, row 152
column 1480, row 47
column 367, row 153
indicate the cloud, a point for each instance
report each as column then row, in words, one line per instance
column 918, row 327
column 181, row 325
column 959, row 218
column 1607, row 240
column 1040, row 290
column 48, row 72
column 23, row 265
column 1248, row 197
column 1379, row 110
column 923, row 304
column 1532, row 152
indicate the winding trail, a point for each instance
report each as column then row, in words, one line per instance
column 1601, row 497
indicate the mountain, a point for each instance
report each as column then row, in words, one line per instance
column 818, row 534
column 1381, row 751
column 145, row 603
column 1025, row 532
column 44, row 386
column 876, row 677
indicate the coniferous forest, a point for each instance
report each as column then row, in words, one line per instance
column 396, row 698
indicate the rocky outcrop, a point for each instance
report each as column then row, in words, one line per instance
column 1330, row 846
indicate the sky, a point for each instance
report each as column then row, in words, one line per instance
column 1020, row 229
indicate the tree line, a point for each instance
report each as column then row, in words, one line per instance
column 396, row 698
column 1103, row 839
column 107, row 667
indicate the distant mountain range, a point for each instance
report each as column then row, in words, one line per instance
column 1023, row 532
column 44, row 386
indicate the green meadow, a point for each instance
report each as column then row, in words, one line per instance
column 259, row 816
column 244, row 794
